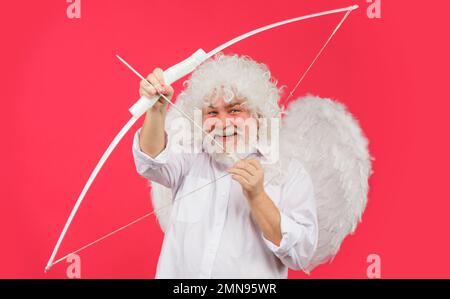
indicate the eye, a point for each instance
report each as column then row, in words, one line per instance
column 212, row 113
column 235, row 110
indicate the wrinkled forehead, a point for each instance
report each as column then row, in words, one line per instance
column 218, row 104
column 222, row 97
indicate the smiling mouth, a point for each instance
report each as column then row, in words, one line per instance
column 225, row 136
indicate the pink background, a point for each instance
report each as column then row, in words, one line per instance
column 65, row 96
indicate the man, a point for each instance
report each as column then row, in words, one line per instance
column 242, row 225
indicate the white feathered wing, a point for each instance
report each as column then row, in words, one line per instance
column 329, row 142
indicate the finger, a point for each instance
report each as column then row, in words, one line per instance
column 247, row 164
column 168, row 90
column 159, row 74
column 250, row 169
column 240, row 180
column 240, row 172
column 240, row 164
column 154, row 81
column 255, row 163
column 148, row 88
column 143, row 93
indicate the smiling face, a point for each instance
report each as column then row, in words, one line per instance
column 224, row 121
column 228, row 123
column 223, row 90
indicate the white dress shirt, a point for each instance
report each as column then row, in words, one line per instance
column 211, row 233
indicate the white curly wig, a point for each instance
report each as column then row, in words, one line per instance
column 240, row 77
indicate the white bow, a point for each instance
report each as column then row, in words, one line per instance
column 144, row 104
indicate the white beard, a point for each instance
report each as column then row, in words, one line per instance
column 216, row 149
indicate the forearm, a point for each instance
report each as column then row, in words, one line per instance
column 267, row 216
column 152, row 138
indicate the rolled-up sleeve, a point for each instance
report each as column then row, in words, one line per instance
column 166, row 168
column 299, row 227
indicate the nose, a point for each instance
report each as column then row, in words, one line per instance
column 219, row 122
column 223, row 121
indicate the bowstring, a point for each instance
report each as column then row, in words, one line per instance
column 139, row 219
column 291, row 93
